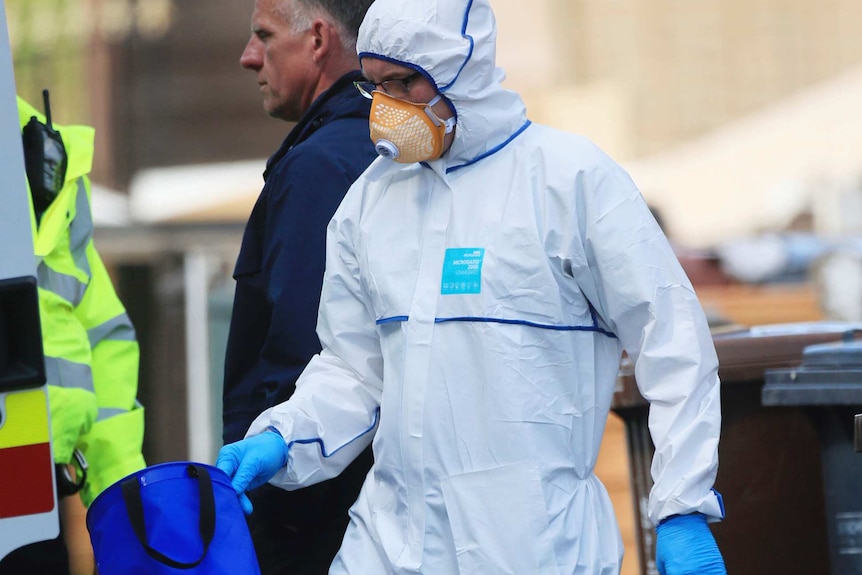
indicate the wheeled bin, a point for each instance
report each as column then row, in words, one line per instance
column 770, row 471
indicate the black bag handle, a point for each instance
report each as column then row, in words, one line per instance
column 135, row 507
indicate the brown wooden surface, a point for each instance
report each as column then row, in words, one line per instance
column 749, row 305
column 613, row 469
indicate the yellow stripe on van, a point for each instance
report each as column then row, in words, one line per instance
column 24, row 418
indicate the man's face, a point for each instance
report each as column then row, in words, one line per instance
column 283, row 62
column 420, row 90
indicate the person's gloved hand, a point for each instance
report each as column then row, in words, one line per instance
column 73, row 412
column 251, row 462
column 685, row 546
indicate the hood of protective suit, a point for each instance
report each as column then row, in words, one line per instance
column 453, row 43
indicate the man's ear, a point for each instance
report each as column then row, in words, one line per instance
column 324, row 36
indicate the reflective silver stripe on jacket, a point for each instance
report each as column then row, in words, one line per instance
column 106, row 412
column 81, row 229
column 118, row 329
column 67, row 287
column 65, row 373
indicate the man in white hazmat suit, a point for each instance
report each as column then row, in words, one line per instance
column 479, row 291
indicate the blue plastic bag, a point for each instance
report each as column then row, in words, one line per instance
column 178, row 517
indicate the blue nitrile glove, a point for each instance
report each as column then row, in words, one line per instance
column 685, row 546
column 251, row 462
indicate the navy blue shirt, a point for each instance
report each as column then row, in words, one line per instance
column 279, row 271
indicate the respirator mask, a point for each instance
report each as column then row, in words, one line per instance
column 407, row 132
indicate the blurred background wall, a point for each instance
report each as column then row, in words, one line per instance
column 160, row 79
column 659, row 84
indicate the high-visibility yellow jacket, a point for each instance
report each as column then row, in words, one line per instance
column 89, row 341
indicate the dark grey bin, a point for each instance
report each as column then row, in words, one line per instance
column 828, row 385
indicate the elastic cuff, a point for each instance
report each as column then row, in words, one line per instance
column 720, row 500
column 286, row 451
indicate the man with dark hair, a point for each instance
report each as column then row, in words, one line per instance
column 303, row 53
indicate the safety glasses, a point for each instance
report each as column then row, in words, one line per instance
column 396, row 87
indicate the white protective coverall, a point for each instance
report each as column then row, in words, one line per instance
column 473, row 313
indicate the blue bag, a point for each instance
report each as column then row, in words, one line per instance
column 178, row 517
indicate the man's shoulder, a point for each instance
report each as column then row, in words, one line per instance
column 344, row 140
column 348, row 130
column 339, row 145
column 568, row 148
column 328, row 160
column 544, row 135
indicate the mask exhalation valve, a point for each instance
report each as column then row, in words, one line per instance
column 387, row 149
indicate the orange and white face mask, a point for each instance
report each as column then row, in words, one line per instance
column 407, row 132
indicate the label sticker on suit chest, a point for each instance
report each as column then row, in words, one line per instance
column 462, row 271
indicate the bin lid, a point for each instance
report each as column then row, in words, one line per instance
column 830, row 374
column 840, row 355
column 744, row 354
